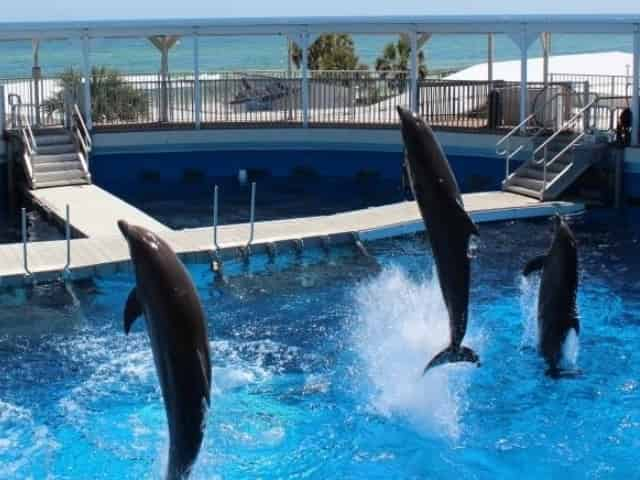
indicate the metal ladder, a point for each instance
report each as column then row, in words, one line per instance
column 550, row 163
column 53, row 158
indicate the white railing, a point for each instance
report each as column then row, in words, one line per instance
column 82, row 138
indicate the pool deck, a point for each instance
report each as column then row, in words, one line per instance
column 107, row 254
column 93, row 211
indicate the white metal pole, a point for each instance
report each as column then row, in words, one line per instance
column 546, row 52
column 413, row 101
column 490, row 54
column 3, row 113
column 86, row 74
column 523, row 76
column 197, row 99
column 635, row 109
column 305, row 80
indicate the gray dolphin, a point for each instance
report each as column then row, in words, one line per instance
column 449, row 226
column 166, row 296
column 557, row 313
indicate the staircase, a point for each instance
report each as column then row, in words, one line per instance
column 551, row 161
column 57, row 161
column 56, row 157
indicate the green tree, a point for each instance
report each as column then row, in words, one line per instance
column 396, row 58
column 112, row 98
column 331, row 51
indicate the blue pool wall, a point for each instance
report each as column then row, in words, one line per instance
column 120, row 171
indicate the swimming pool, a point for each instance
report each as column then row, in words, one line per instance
column 176, row 188
column 317, row 364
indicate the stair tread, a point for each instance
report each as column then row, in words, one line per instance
column 522, row 191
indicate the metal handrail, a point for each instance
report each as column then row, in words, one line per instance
column 565, row 125
column 82, row 126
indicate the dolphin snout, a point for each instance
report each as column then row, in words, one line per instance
column 124, row 228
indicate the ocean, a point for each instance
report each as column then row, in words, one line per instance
column 137, row 55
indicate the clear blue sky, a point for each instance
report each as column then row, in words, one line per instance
column 42, row 10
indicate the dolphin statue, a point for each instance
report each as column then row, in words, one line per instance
column 166, row 296
column 436, row 191
column 557, row 312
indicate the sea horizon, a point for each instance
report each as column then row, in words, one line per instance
column 137, row 55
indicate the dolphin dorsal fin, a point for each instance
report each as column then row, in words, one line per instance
column 132, row 310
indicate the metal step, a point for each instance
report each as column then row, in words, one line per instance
column 43, row 140
column 537, row 173
column 61, row 157
column 61, row 176
column 523, row 191
column 526, row 182
column 60, row 183
column 57, row 166
column 56, row 148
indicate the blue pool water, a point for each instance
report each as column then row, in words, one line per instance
column 317, row 364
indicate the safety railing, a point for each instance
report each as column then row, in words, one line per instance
column 81, row 138
column 552, row 106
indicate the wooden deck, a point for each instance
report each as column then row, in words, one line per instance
column 93, row 211
column 107, row 252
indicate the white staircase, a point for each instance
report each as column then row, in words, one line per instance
column 57, row 157
column 551, row 160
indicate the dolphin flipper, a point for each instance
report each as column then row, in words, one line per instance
column 453, row 354
column 132, row 310
column 533, row 265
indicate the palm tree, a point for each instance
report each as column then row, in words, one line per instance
column 394, row 62
column 112, row 98
column 332, row 51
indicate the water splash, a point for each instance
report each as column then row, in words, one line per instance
column 571, row 349
column 401, row 325
column 529, row 310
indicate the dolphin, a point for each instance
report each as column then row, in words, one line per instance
column 166, row 296
column 557, row 313
column 436, row 191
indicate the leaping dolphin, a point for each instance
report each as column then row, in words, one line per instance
column 166, row 296
column 449, row 226
column 557, row 313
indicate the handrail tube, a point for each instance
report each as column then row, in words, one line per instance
column 565, row 125
column 84, row 130
column 565, row 149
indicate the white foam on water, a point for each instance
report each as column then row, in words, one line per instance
column 401, row 325
column 529, row 310
column 22, row 441
column 571, row 349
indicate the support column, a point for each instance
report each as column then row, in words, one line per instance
column 635, row 99
column 86, row 83
column 164, row 43
column 524, row 58
column 305, row 80
column 546, row 52
column 413, row 72
column 3, row 113
column 36, row 74
column 197, row 96
column 490, row 58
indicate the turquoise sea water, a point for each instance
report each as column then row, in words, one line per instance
column 247, row 53
column 317, row 364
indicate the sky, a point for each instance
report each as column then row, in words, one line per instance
column 48, row 10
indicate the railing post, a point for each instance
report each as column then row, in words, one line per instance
column 490, row 54
column 305, row 80
column 24, row 243
column 197, row 102
column 413, row 101
column 67, row 233
column 635, row 104
column 587, row 114
column 252, row 215
column 215, row 218
column 86, row 82
column 3, row 113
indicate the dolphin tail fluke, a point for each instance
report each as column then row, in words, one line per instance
column 453, row 354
